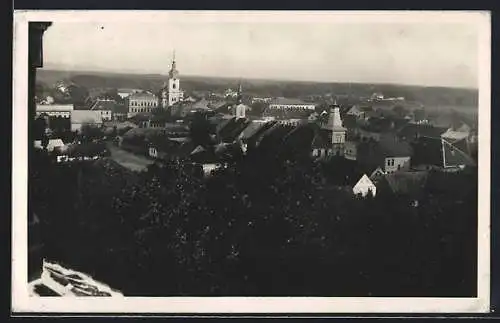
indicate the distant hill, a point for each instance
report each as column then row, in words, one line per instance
column 429, row 96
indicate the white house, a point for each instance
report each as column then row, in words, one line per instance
column 55, row 110
column 364, row 186
column 291, row 104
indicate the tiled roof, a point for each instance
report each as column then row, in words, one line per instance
column 274, row 136
column 251, row 129
column 289, row 101
column 427, row 151
column 300, row 138
column 257, row 136
column 104, row 105
column 411, row 131
column 232, row 129
column 407, row 183
column 452, row 136
column 455, row 154
column 220, row 106
column 142, row 95
column 374, row 153
column 85, row 116
column 286, row 114
column 391, row 147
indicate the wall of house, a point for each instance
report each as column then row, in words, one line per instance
column 291, row 107
column 393, row 164
column 106, row 115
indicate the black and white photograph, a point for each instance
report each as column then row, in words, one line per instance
column 251, row 162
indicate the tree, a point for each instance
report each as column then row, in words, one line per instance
column 39, row 126
column 90, row 132
column 200, row 130
column 399, row 110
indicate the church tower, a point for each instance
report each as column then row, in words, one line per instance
column 240, row 108
column 338, row 131
column 171, row 92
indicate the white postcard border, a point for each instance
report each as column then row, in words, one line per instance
column 23, row 303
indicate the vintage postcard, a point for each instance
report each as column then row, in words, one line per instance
column 251, row 162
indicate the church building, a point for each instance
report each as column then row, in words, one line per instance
column 239, row 109
column 171, row 92
column 337, row 131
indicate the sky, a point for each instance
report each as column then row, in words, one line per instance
column 429, row 54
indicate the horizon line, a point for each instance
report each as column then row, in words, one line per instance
column 135, row 72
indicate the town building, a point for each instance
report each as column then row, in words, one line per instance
column 55, row 110
column 289, row 104
column 105, row 107
column 337, row 130
column 171, row 92
column 56, row 116
column 183, row 109
column 390, row 155
column 239, row 109
column 124, row 93
column 143, row 102
column 364, row 187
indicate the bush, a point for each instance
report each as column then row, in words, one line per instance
column 261, row 227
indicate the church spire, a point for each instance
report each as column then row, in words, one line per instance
column 239, row 94
column 173, row 73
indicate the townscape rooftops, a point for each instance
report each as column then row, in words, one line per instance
column 427, row 151
column 412, row 130
column 86, row 116
column 251, row 129
column 104, row 105
column 279, row 114
column 142, row 96
column 300, row 138
column 288, row 101
column 452, row 135
column 374, row 153
column 230, row 131
column 408, row 183
column 454, row 154
column 391, row 147
column 54, row 107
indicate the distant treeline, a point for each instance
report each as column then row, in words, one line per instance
column 432, row 96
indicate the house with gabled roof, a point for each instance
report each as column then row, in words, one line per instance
column 440, row 153
column 364, row 187
column 390, row 155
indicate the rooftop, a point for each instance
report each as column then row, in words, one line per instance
column 105, row 105
column 289, row 101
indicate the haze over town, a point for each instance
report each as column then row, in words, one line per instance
column 433, row 54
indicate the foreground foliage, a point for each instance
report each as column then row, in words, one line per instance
column 263, row 226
